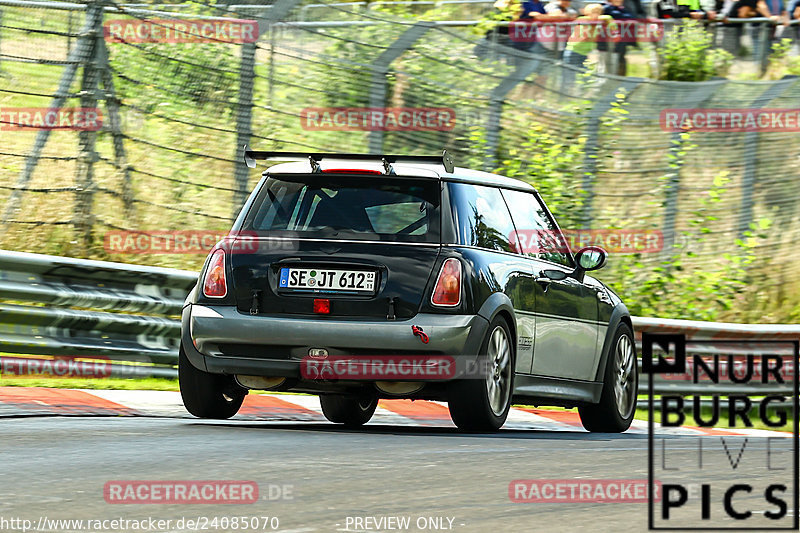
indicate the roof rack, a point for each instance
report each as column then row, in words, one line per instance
column 251, row 156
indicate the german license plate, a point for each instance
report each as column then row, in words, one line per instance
column 327, row 280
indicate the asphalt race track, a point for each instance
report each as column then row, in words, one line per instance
column 313, row 475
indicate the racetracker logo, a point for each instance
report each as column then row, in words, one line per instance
column 56, row 118
column 378, row 118
column 189, row 242
column 60, row 368
column 181, row 31
column 578, row 490
column 617, row 241
column 364, row 367
column 730, row 120
column 588, row 31
column 180, row 492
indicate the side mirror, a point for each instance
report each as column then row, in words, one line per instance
column 590, row 258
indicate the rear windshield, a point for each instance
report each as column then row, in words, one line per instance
column 341, row 207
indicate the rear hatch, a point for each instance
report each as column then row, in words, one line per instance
column 365, row 242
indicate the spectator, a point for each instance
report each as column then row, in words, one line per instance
column 683, row 9
column 745, row 9
column 534, row 11
column 565, row 12
column 616, row 9
column 583, row 39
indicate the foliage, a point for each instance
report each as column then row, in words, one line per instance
column 688, row 54
column 780, row 62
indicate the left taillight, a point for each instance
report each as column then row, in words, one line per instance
column 447, row 292
column 214, row 285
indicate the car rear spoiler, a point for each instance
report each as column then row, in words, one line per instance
column 251, row 156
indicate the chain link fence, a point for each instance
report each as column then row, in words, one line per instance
column 167, row 153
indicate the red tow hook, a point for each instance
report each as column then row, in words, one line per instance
column 417, row 331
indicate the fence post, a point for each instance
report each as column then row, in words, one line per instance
column 115, row 124
column 380, row 67
column 244, row 111
column 702, row 92
column 594, row 118
column 79, row 55
column 83, row 217
column 751, row 141
column 496, row 99
column 764, row 32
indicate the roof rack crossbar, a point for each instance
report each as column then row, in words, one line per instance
column 251, row 156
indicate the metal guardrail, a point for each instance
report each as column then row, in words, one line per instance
column 59, row 306
column 72, row 307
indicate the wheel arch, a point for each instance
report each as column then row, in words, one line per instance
column 499, row 304
column 619, row 315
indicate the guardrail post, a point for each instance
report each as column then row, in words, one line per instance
column 380, row 67
column 496, row 99
column 751, row 142
column 594, row 119
column 244, row 111
column 80, row 54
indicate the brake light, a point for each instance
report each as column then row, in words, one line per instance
column 447, row 291
column 351, row 171
column 322, row 306
column 214, row 285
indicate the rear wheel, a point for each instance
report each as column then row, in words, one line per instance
column 352, row 411
column 483, row 404
column 207, row 395
column 614, row 413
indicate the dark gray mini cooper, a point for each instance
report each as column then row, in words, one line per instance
column 360, row 277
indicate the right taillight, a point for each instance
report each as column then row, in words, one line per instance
column 214, row 285
column 447, row 291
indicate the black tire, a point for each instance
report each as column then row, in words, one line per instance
column 472, row 404
column 352, row 411
column 205, row 395
column 614, row 413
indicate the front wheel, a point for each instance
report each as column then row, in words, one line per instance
column 614, row 413
column 208, row 395
column 352, row 411
column 483, row 404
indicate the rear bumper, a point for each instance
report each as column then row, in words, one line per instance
column 205, row 328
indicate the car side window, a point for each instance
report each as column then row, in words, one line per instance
column 538, row 235
column 483, row 218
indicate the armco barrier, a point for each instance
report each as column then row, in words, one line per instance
column 59, row 306
column 63, row 306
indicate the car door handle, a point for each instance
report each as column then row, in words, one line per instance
column 544, row 282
